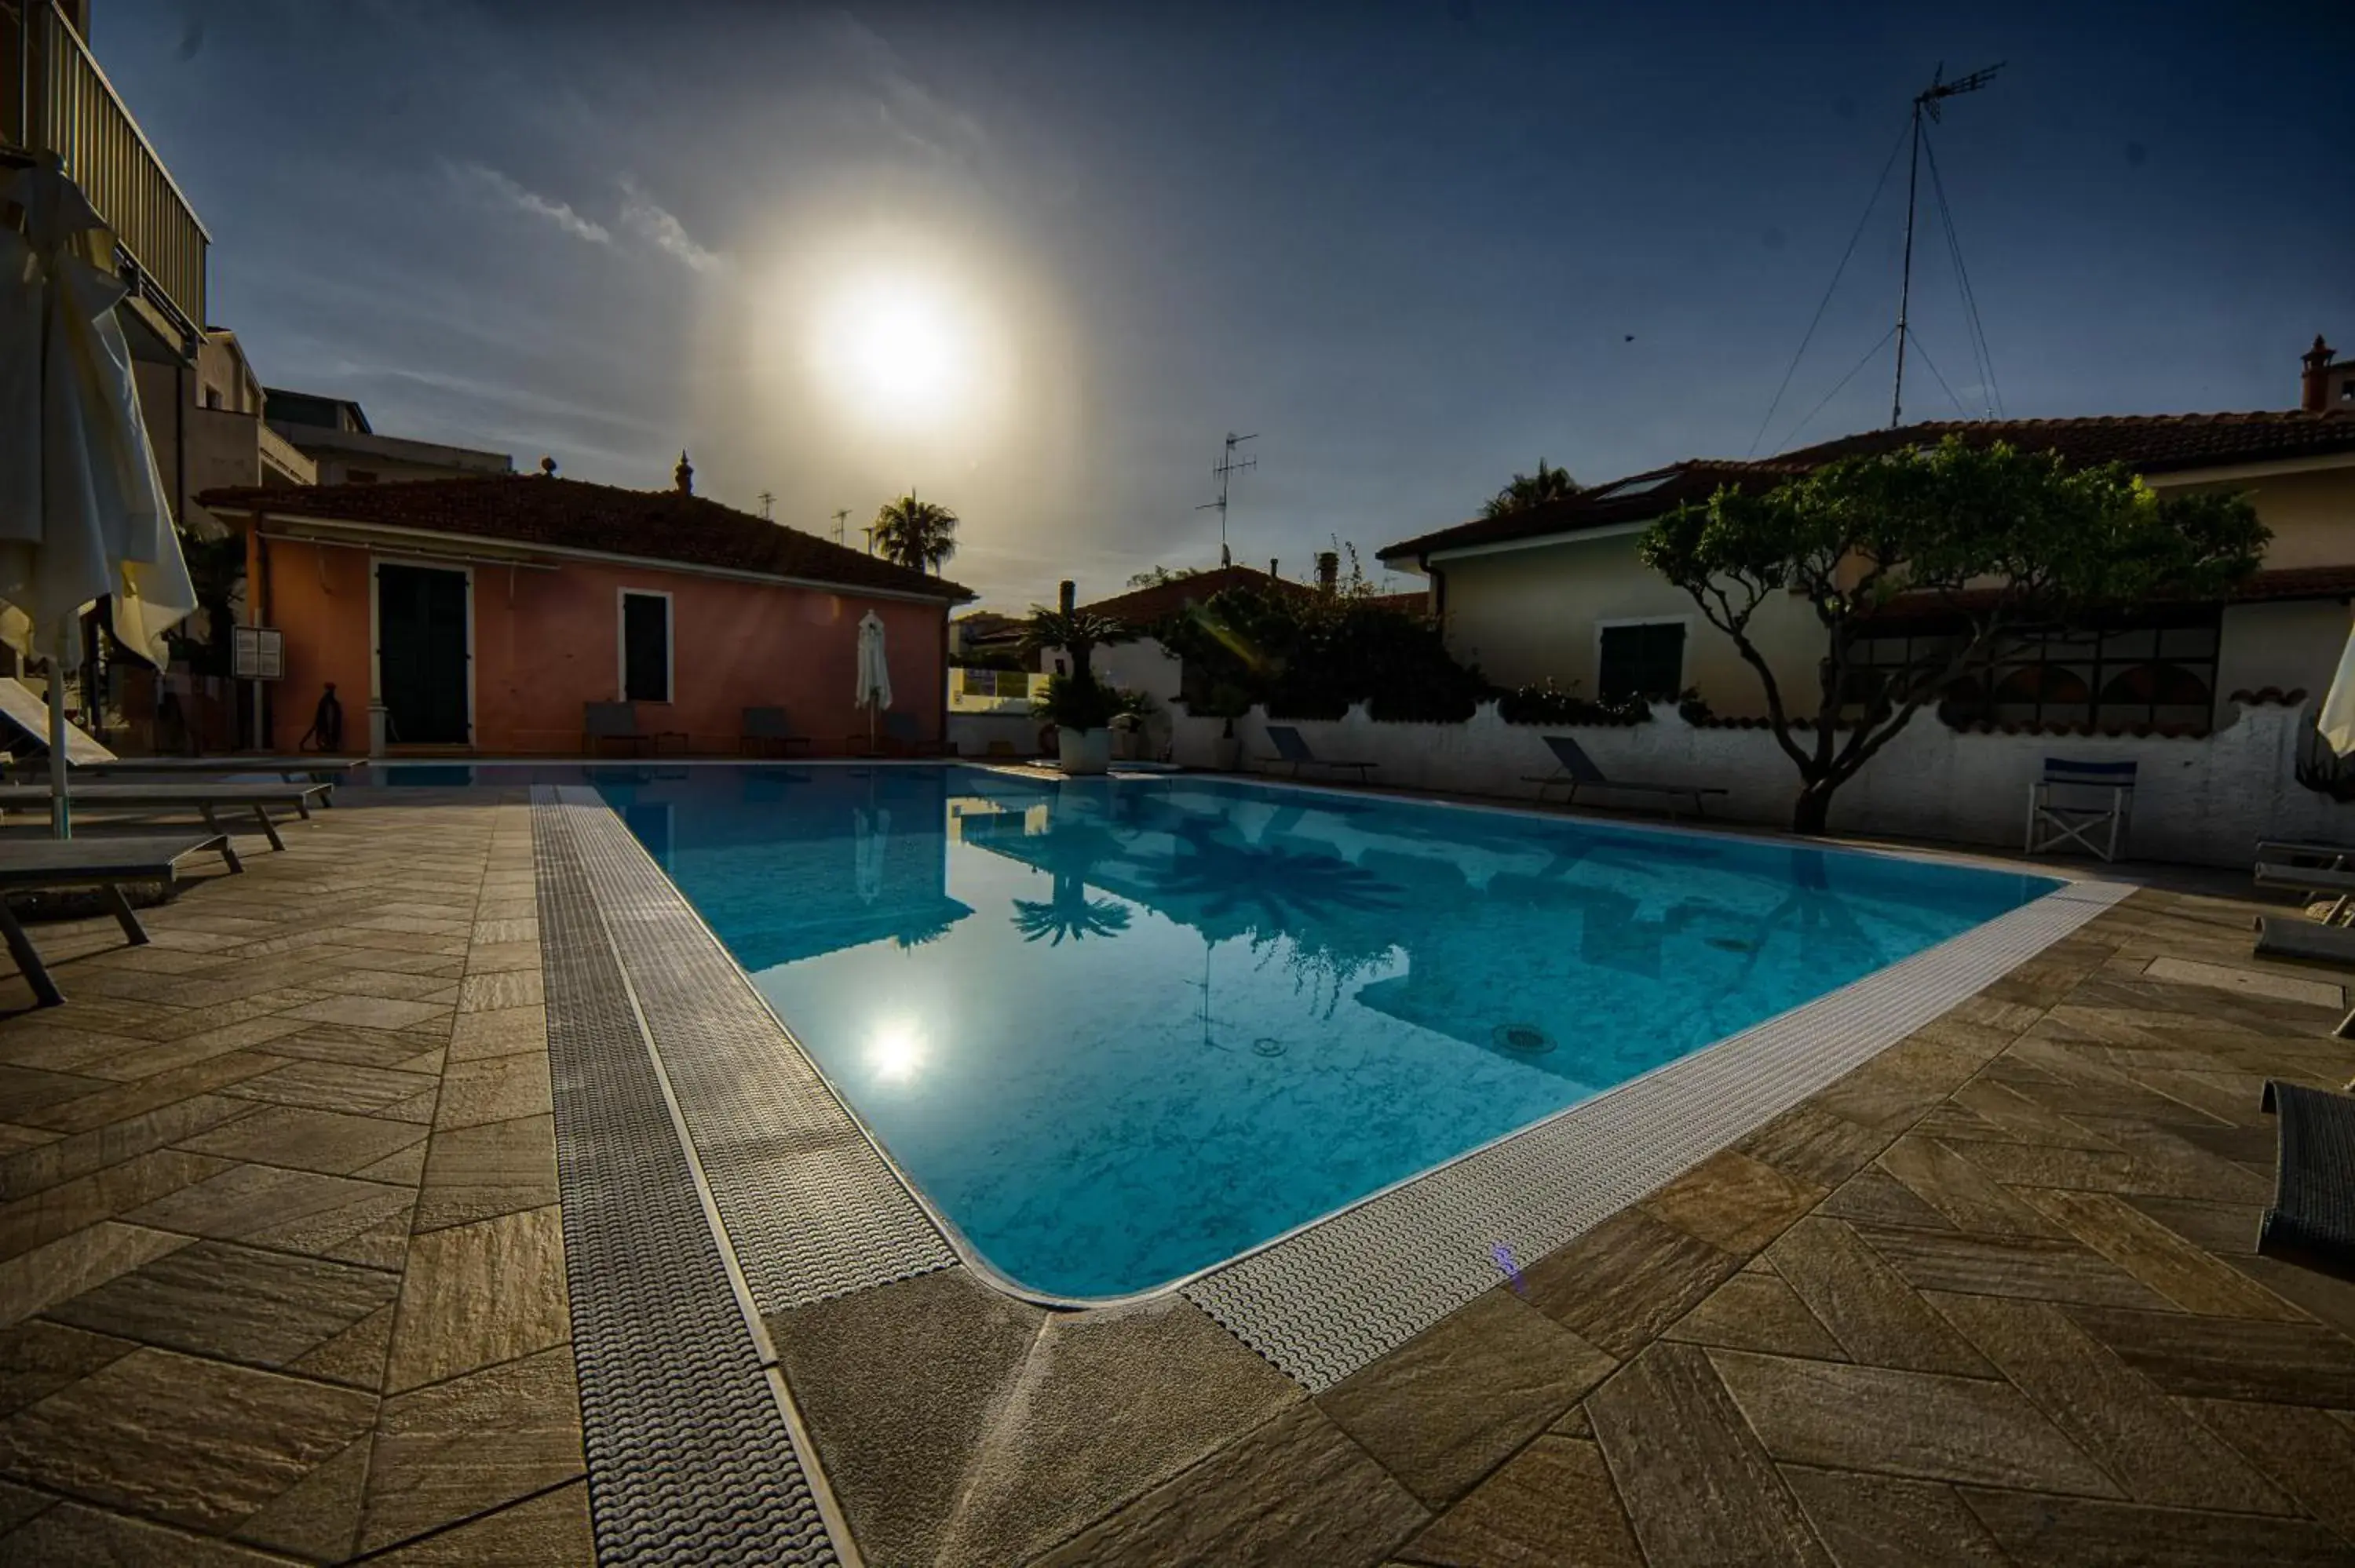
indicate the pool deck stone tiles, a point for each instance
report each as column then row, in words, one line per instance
column 282, row 1279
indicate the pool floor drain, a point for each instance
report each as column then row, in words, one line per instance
column 1267, row 1046
column 1525, row 1038
column 1731, row 944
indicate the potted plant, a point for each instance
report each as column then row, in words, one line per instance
column 1081, row 709
column 1226, row 702
column 1079, row 705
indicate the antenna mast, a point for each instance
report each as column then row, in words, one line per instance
column 1226, row 469
column 1925, row 101
column 768, row 504
column 840, row 518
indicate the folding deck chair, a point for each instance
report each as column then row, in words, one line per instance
column 2075, row 800
column 1578, row 772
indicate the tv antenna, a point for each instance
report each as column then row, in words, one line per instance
column 768, row 507
column 1226, row 469
column 840, row 519
column 1925, row 101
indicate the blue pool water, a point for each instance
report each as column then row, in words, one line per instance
column 1121, row 1029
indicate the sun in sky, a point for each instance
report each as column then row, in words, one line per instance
column 900, row 350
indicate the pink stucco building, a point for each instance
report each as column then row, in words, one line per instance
column 482, row 614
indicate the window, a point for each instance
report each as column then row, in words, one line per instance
column 212, row 396
column 360, row 476
column 2155, row 668
column 1642, row 660
column 1631, row 486
column 646, row 647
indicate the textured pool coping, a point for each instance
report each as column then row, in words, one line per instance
column 811, row 1207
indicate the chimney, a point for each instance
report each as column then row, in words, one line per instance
column 547, row 468
column 2314, row 388
column 683, row 474
column 1328, row 570
column 1067, row 594
column 1270, row 566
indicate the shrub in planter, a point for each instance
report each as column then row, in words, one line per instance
column 1549, row 704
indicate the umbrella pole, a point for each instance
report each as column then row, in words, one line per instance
column 60, row 804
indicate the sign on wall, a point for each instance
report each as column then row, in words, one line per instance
column 257, row 652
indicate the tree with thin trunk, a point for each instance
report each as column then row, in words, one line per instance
column 1992, row 538
column 1528, row 490
column 918, row 534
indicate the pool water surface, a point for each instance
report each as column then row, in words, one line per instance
column 1118, row 1030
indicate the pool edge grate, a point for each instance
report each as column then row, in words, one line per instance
column 1336, row 1296
column 690, row 1456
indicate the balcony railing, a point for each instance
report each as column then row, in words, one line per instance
column 59, row 101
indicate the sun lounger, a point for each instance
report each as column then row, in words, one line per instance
column 601, row 722
column 2295, row 937
column 2313, row 1212
column 99, row 861
column 2307, row 878
column 1291, row 747
column 768, row 732
column 289, row 769
column 25, row 709
column 206, row 800
column 1578, row 772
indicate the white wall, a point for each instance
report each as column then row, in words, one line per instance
column 2205, row 801
column 970, row 734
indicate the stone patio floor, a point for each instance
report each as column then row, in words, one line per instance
column 282, row 1278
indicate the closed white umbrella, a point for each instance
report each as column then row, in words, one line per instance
column 874, row 672
column 82, row 508
column 2337, row 719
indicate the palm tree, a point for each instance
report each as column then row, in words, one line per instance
column 918, row 534
column 1528, row 490
column 1078, row 632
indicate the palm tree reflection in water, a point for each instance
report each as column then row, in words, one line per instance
column 1070, row 912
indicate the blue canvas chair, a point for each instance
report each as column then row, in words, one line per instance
column 1578, row 772
column 2075, row 802
column 1291, row 747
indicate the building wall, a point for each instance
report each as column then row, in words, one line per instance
column 1527, row 615
column 547, row 642
column 2312, row 515
column 1524, row 616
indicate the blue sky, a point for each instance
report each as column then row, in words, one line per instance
column 1414, row 247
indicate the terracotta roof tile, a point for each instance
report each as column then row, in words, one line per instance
column 565, row 514
column 1145, row 606
column 2150, row 443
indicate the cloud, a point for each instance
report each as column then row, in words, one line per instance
column 910, row 110
column 558, row 213
column 640, row 213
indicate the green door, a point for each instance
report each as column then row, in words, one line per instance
column 420, row 617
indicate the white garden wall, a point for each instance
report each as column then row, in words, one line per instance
column 2204, row 800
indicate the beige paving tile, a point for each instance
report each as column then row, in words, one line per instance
column 317, row 1517
column 1757, row 1311
column 1626, row 1280
column 194, row 1442
column 1890, row 1522
column 495, row 1089
column 76, row 1533
column 369, row 1012
column 1923, row 1424
column 1294, row 1490
column 2034, row 1529
column 1733, row 1202
column 2151, row 1447
column 1866, row 1304
column 472, row 1444
column 1551, row 1503
column 1696, row 1485
column 232, row 1302
column 498, row 957
column 1967, row 1198
column 328, row 1141
column 123, row 1101
column 552, row 1528
column 296, row 1211
column 70, row 1265
column 491, row 993
column 498, row 1032
column 2184, row 1274
column 507, row 928
column 38, row 1358
column 479, row 1294
column 336, row 1085
column 109, row 1192
column 495, row 1167
column 1446, row 1407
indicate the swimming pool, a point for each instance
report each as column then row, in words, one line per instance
column 1119, row 1031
